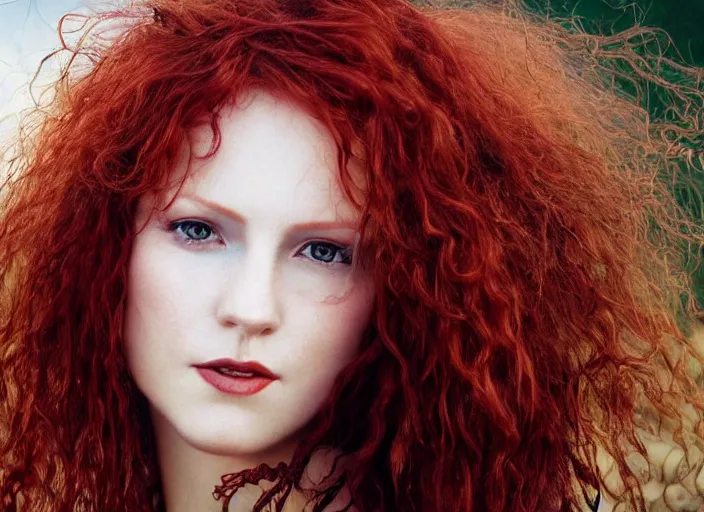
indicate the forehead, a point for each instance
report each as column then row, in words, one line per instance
column 273, row 158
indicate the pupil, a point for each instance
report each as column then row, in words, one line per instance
column 198, row 231
column 323, row 252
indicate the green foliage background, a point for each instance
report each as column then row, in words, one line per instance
column 683, row 21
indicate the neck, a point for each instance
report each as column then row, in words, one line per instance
column 189, row 475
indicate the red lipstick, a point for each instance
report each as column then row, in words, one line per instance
column 236, row 378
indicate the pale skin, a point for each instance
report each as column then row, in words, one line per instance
column 240, row 267
column 249, row 286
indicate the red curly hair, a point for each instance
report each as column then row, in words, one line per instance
column 526, row 255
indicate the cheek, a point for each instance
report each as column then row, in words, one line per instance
column 151, row 279
column 162, row 286
column 141, row 309
column 339, row 327
column 354, row 322
column 145, row 285
column 157, row 301
column 330, row 340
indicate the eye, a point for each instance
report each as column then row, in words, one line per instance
column 327, row 253
column 193, row 231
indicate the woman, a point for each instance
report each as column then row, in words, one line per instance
column 345, row 255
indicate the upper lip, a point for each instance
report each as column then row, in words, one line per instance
column 244, row 367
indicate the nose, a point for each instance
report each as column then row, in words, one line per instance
column 248, row 298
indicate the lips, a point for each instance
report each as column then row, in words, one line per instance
column 239, row 369
column 236, row 378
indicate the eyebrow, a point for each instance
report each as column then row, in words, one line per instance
column 305, row 226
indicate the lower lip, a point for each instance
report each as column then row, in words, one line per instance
column 234, row 385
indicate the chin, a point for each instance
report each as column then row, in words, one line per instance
column 229, row 440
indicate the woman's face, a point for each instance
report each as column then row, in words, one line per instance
column 238, row 270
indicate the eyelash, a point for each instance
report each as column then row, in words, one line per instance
column 344, row 253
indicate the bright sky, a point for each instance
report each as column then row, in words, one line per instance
column 28, row 32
